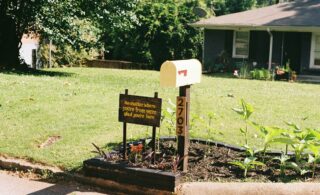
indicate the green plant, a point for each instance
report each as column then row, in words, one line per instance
column 314, row 158
column 299, row 139
column 287, row 66
column 196, row 123
column 269, row 135
column 283, row 163
column 260, row 74
column 168, row 117
column 208, row 126
column 244, row 70
column 247, row 164
column 245, row 112
column 251, row 152
column 297, row 168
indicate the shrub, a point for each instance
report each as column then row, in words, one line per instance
column 260, row 74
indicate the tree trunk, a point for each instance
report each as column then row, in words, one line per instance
column 9, row 43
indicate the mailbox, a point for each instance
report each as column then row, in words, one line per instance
column 180, row 73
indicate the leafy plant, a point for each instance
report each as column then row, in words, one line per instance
column 283, row 163
column 297, row 168
column 208, row 126
column 196, row 123
column 269, row 135
column 251, row 152
column 245, row 70
column 299, row 139
column 201, row 123
column 245, row 112
column 260, row 74
column 314, row 158
column 168, row 117
column 247, row 164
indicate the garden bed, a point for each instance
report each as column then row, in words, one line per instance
column 123, row 173
column 208, row 161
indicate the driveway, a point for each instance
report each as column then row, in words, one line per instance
column 13, row 185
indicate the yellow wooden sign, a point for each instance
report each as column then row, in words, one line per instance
column 181, row 114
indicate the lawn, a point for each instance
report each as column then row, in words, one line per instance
column 81, row 106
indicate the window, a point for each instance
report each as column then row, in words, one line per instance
column 241, row 44
column 315, row 51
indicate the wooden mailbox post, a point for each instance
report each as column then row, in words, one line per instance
column 182, row 74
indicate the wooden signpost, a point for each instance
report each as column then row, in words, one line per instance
column 181, row 74
column 139, row 110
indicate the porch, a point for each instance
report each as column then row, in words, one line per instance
column 253, row 46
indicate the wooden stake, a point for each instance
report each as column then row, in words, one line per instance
column 125, row 135
column 183, row 141
column 154, row 137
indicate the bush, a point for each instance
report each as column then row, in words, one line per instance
column 260, row 74
column 64, row 55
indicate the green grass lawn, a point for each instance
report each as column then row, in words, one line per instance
column 81, row 106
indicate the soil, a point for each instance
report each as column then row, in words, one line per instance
column 209, row 162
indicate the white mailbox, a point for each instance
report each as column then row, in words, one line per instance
column 180, row 73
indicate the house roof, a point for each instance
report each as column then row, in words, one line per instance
column 299, row 15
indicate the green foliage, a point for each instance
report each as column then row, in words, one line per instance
column 260, row 74
column 161, row 32
column 269, row 135
column 314, row 158
column 247, row 164
column 222, row 7
column 244, row 70
column 16, row 18
column 283, row 163
column 75, row 36
column 300, row 170
column 64, row 55
column 168, row 118
column 245, row 112
column 299, row 139
column 200, row 123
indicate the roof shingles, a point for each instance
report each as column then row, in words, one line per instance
column 300, row 13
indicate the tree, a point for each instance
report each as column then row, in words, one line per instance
column 16, row 18
column 68, row 25
column 222, row 7
column 159, row 31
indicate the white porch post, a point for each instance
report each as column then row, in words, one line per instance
column 270, row 50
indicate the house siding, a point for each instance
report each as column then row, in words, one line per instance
column 295, row 46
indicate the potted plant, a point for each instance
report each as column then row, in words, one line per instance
column 293, row 75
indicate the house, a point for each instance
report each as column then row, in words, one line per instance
column 28, row 50
column 269, row 36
